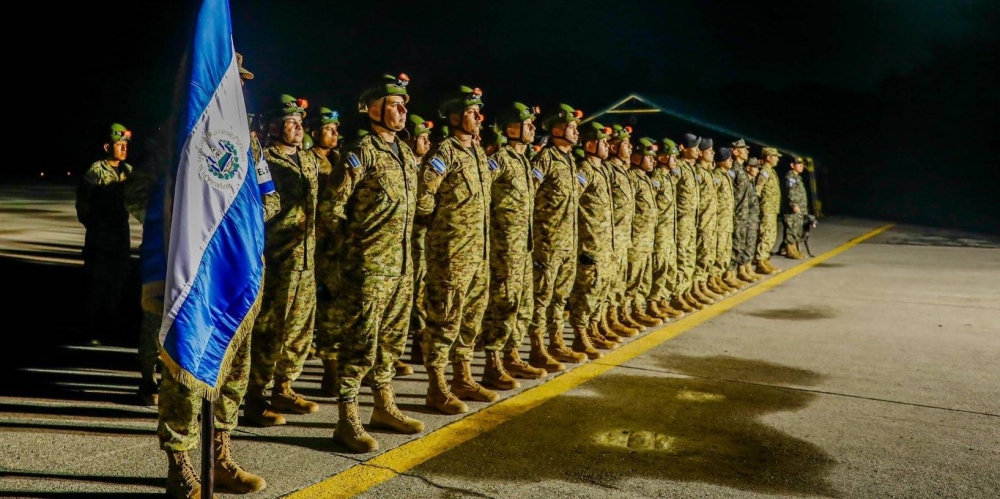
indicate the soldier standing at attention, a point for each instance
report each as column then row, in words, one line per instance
column 623, row 198
column 640, row 254
column 508, row 314
column 664, row 269
column 283, row 332
column 419, row 139
column 744, row 196
column 454, row 193
column 370, row 203
column 100, row 207
column 724, row 173
column 325, row 133
column 688, row 199
column 555, row 224
column 796, row 209
column 769, row 191
column 753, row 224
column 708, row 216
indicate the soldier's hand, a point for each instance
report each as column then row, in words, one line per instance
column 795, row 209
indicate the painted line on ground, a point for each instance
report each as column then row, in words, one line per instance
column 379, row 469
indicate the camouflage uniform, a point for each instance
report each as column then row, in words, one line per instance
column 284, row 330
column 724, row 227
column 744, row 200
column 640, row 254
column 595, row 248
column 508, row 314
column 457, row 249
column 795, row 196
column 769, row 192
column 623, row 197
column 554, row 254
column 369, row 205
column 664, row 272
column 688, row 201
column 708, row 208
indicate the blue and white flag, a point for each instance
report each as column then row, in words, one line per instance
column 215, row 266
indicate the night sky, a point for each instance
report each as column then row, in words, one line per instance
column 894, row 99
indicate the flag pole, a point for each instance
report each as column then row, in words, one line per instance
column 207, row 448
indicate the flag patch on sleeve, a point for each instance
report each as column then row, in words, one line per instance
column 438, row 165
column 352, row 159
column 537, row 173
column 656, row 184
column 493, row 165
column 582, row 179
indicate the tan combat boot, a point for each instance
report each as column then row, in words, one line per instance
column 329, row 383
column 582, row 344
column 230, row 477
column 562, row 353
column 258, row 412
column 708, row 292
column 715, row 287
column 402, row 368
column 619, row 328
column 607, row 331
column 729, row 279
column 668, row 309
column 628, row 319
column 653, row 310
column 520, row 369
column 643, row 318
column 539, row 356
column 285, row 400
column 773, row 268
column 743, row 275
column 696, row 299
column 465, row 387
column 349, row 432
column 495, row 375
column 439, row 396
column 753, row 273
column 597, row 339
column 680, row 302
column 388, row 415
column 182, row 479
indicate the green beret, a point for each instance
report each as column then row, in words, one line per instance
column 419, row 126
column 595, row 131
column 460, row 100
column 382, row 87
column 647, row 147
column 564, row 114
column 669, row 147
column 515, row 113
column 288, row 106
column 328, row 116
column 119, row 133
column 619, row 132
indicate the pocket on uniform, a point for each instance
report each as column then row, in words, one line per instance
column 389, row 188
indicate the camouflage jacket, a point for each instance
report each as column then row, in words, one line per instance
column 795, row 190
column 101, row 208
column 290, row 237
column 644, row 223
column 688, row 197
column 663, row 188
column 556, row 201
column 623, row 196
column 708, row 198
column 743, row 194
column 459, row 206
column 513, row 203
column 596, row 211
column 724, row 193
column 368, row 206
column 768, row 191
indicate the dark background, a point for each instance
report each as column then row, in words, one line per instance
column 895, row 100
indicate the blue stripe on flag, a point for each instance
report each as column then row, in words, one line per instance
column 438, row 165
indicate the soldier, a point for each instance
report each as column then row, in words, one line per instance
column 370, row 203
column 708, row 208
column 769, row 192
column 724, row 175
column 753, row 216
column 454, row 192
column 508, row 314
column 623, row 198
column 100, row 207
column 555, row 231
column 283, row 332
column 664, row 268
column 796, row 209
column 419, row 139
column 640, row 254
column 744, row 196
column 688, row 201
column 324, row 134
column 595, row 244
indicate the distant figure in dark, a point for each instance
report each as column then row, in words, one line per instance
column 795, row 210
column 100, row 207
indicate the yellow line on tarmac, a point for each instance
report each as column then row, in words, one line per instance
column 384, row 467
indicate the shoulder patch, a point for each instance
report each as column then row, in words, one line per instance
column 537, row 173
column 697, row 177
column 582, row 179
column 766, row 176
column 791, row 181
column 352, row 159
column 656, row 184
column 676, row 171
column 493, row 165
column 438, row 164
column 716, row 180
column 731, row 174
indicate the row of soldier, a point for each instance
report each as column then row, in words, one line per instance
column 384, row 238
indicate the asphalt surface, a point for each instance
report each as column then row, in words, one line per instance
column 872, row 374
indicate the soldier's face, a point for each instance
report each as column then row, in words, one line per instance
column 528, row 131
column 602, row 148
column 118, row 151
column 708, row 154
column 648, row 163
column 625, row 150
column 753, row 171
column 741, row 153
column 572, row 133
column 291, row 131
column 395, row 112
column 690, row 152
column 725, row 165
column 329, row 135
column 472, row 119
column 798, row 167
column 423, row 144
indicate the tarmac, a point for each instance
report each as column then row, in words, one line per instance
column 869, row 371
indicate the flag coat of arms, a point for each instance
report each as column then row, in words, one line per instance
column 214, row 262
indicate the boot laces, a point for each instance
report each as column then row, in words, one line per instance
column 354, row 419
column 187, row 472
column 388, row 402
column 225, row 454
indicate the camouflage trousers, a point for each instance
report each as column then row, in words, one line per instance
column 508, row 313
column 768, row 236
column 180, row 407
column 686, row 253
column 554, row 273
column 330, row 311
column 456, row 303
column 744, row 245
column 590, row 290
column 376, row 313
column 706, row 252
column 418, row 313
column 723, row 252
column 284, row 331
column 794, row 228
column 664, row 278
column 618, row 278
column 149, row 340
column 640, row 278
